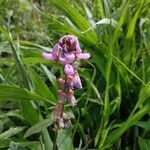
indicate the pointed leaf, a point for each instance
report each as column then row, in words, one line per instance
column 11, row 132
column 39, row 127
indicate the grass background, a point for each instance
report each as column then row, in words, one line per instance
column 113, row 106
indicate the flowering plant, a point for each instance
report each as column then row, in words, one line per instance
column 66, row 51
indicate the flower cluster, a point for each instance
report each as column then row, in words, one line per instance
column 66, row 51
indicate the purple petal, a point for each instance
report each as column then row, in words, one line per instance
column 74, row 82
column 61, row 39
column 71, row 98
column 83, row 55
column 69, row 82
column 67, row 58
column 48, row 56
column 70, row 43
column 70, row 57
column 63, row 60
column 77, row 81
column 78, row 49
column 69, row 70
column 73, row 39
column 56, row 50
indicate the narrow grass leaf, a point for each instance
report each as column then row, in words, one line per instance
column 115, row 135
column 99, row 9
column 27, row 107
column 12, row 131
column 144, row 95
column 75, row 17
column 27, row 61
column 144, row 143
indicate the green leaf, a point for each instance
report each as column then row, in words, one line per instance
column 13, row 113
column 130, row 49
column 16, row 56
column 104, row 21
column 99, row 9
column 27, row 108
column 11, row 132
column 30, row 44
column 132, row 120
column 51, row 78
column 134, row 20
column 144, row 144
column 13, row 93
column 14, row 146
column 41, row 126
column 144, row 95
column 64, row 140
column 74, row 17
column 28, row 61
column 34, row 145
column 4, row 143
column 144, row 124
column 47, row 140
column 41, row 88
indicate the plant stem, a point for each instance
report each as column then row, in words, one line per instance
column 55, row 139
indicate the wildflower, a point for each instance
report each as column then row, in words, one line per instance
column 69, row 70
column 61, row 83
column 66, row 51
column 62, row 120
column 83, row 56
column 74, row 82
column 48, row 56
column 67, row 58
column 62, row 95
column 67, row 122
column 58, row 111
column 71, row 99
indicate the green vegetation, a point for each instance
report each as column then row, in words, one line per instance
column 113, row 109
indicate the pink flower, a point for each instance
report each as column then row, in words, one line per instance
column 66, row 50
column 70, row 43
column 62, row 95
column 69, row 70
column 62, row 120
column 74, row 82
column 56, row 51
column 48, row 56
column 67, row 58
column 58, row 111
column 83, row 56
column 71, row 98
column 61, row 83
column 67, row 122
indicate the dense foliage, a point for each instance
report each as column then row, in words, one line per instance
column 113, row 106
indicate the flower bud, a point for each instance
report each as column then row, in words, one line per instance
column 69, row 70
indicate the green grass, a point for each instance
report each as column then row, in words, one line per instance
column 113, row 106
